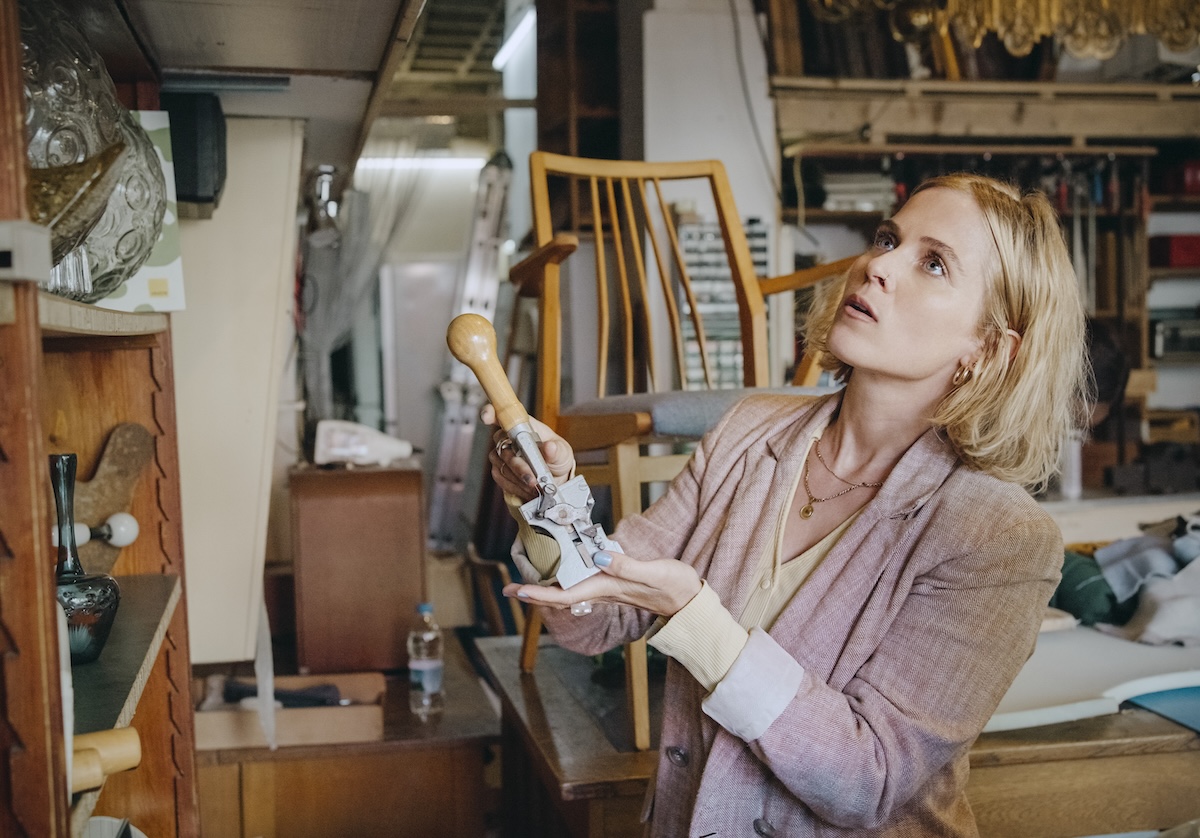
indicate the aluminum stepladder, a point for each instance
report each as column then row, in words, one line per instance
column 462, row 397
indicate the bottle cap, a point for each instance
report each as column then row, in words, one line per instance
column 425, row 608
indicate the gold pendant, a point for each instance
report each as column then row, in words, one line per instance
column 806, row 511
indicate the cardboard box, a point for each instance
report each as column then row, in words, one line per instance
column 231, row 726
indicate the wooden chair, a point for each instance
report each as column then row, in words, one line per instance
column 650, row 305
column 487, row 578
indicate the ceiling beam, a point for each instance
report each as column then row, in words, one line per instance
column 402, row 32
column 481, row 40
column 456, row 105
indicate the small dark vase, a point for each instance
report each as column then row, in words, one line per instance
column 90, row 600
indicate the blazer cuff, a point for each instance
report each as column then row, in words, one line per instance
column 703, row 636
column 758, row 687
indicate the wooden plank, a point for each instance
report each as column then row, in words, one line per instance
column 873, row 150
column 1099, row 795
column 433, row 792
column 815, row 114
column 940, row 87
column 33, row 790
column 220, row 791
column 786, row 52
column 60, row 316
column 398, row 43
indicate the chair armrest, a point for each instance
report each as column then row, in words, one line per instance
column 805, row 278
column 527, row 274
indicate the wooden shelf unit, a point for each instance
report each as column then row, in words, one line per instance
column 108, row 690
column 72, row 374
column 69, row 374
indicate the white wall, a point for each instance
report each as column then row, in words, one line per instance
column 230, row 347
column 694, row 105
column 423, row 267
column 520, row 124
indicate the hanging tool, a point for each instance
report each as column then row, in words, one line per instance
column 562, row 512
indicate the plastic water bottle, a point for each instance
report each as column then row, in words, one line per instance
column 425, row 665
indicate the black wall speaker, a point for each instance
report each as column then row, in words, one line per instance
column 198, row 146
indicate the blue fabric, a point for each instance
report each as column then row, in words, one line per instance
column 683, row 413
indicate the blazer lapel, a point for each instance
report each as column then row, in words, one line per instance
column 772, row 465
column 838, row 590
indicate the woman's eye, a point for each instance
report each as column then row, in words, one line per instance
column 884, row 240
column 935, row 265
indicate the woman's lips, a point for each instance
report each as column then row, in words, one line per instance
column 857, row 304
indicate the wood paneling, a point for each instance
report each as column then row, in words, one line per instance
column 220, row 790
column 431, row 792
column 33, row 792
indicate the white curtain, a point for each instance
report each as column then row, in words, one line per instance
column 340, row 272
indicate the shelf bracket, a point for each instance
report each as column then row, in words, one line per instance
column 24, row 252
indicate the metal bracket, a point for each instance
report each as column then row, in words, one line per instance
column 24, row 252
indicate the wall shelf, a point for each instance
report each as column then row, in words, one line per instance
column 1174, row 273
column 984, row 149
column 107, row 691
column 60, row 317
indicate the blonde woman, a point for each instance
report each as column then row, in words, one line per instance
column 847, row 585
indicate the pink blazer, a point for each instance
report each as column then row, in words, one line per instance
column 906, row 636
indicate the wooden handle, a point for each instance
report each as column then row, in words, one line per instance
column 120, row 749
column 87, row 772
column 473, row 341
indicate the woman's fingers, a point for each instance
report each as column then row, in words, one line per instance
column 662, row 586
column 512, row 472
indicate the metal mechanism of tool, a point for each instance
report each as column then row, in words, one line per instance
column 562, row 512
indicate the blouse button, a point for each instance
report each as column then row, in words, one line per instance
column 678, row 756
column 765, row 584
column 763, row 828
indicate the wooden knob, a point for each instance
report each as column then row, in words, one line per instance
column 473, row 341
column 119, row 749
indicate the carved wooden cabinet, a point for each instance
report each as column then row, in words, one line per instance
column 69, row 374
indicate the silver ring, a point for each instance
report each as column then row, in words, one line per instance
column 503, row 444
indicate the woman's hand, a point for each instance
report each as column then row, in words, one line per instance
column 661, row 586
column 510, row 470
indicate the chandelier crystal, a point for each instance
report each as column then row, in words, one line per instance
column 1085, row 28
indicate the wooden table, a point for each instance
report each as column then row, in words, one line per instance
column 564, row 777
column 422, row 779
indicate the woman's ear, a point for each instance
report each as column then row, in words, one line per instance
column 1014, row 343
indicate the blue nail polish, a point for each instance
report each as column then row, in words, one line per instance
column 523, row 594
column 602, row 559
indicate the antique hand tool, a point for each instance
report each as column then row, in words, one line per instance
column 562, row 512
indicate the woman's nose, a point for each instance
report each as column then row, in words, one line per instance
column 879, row 270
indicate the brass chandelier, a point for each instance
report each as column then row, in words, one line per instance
column 1086, row 28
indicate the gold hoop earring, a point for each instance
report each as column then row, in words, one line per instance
column 962, row 375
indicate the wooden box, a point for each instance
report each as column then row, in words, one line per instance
column 232, row 726
column 359, row 547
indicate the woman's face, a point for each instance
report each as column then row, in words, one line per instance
column 914, row 300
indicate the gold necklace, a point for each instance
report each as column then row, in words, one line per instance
column 806, row 511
